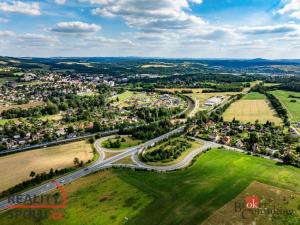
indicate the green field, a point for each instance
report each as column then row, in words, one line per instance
column 124, row 95
column 129, row 142
column 185, row 197
column 271, row 84
column 4, row 121
column 254, row 96
column 293, row 108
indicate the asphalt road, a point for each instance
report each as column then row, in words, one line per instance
column 98, row 165
column 101, row 163
column 183, row 163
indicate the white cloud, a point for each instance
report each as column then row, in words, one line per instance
column 151, row 15
column 60, row 2
column 30, row 8
column 76, row 27
column 99, row 40
column 28, row 39
column 283, row 28
column 3, row 20
column 292, row 8
column 196, row 1
column 6, row 33
column 36, row 40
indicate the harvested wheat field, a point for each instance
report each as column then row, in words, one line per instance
column 17, row 167
column 252, row 110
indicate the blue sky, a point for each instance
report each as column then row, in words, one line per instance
column 164, row 28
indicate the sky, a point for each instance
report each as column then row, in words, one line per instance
column 151, row 28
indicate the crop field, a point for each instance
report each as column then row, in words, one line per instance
column 186, row 197
column 16, row 168
column 293, row 108
column 250, row 108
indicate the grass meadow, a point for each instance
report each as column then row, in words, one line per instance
column 293, row 108
column 185, row 197
column 128, row 142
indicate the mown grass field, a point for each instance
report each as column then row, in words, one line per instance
column 55, row 117
column 254, row 96
column 129, row 142
column 293, row 108
column 16, row 168
column 253, row 106
column 124, row 95
column 271, row 84
column 186, row 197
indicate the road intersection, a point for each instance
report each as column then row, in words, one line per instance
column 103, row 163
column 100, row 164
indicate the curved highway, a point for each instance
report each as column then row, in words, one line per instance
column 103, row 163
column 100, row 164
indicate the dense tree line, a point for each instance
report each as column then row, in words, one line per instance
column 281, row 111
column 225, row 88
column 154, row 114
column 195, row 80
column 54, row 105
column 293, row 86
column 149, row 131
column 171, row 150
